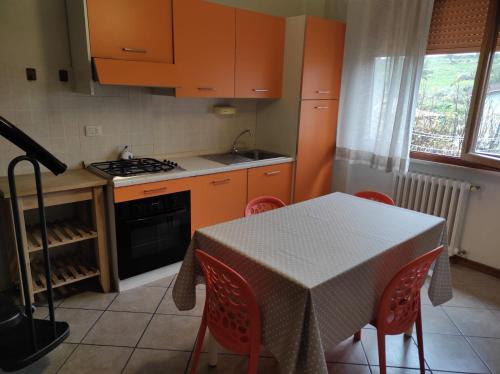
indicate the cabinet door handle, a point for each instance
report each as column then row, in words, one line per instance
column 260, row 90
column 155, row 190
column 206, row 88
column 134, row 50
column 323, row 92
column 320, row 107
column 271, row 173
column 221, row 181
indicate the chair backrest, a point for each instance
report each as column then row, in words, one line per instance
column 263, row 204
column 400, row 302
column 375, row 196
column 231, row 309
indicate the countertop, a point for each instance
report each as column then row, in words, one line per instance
column 196, row 166
column 69, row 180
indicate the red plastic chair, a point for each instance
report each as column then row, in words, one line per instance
column 399, row 307
column 231, row 312
column 375, row 196
column 263, row 204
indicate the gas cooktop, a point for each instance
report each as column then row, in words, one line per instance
column 134, row 166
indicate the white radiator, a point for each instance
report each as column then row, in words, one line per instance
column 439, row 196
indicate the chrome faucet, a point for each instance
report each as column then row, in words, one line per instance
column 234, row 147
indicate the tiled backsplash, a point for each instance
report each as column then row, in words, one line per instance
column 55, row 116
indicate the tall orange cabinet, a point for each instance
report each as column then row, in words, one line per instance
column 316, row 148
column 323, row 54
column 320, row 93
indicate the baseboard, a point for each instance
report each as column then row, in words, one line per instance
column 475, row 265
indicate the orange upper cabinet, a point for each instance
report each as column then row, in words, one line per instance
column 139, row 30
column 274, row 180
column 204, row 38
column 323, row 54
column 260, row 43
column 217, row 198
column 316, row 148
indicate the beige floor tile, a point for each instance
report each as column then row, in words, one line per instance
column 235, row 364
column 489, row 296
column 168, row 306
column 400, row 351
column 91, row 359
column 465, row 297
column 152, row 361
column 451, row 353
column 89, row 300
column 41, row 312
column 142, row 299
column 424, row 297
column 435, row 320
column 51, row 363
column 489, row 350
column 163, row 282
column 392, row 370
column 347, row 352
column 475, row 322
column 348, row 369
column 118, row 329
column 80, row 321
column 171, row 332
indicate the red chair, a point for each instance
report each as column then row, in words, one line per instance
column 399, row 306
column 375, row 196
column 231, row 312
column 263, row 204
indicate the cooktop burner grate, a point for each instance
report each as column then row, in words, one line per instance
column 135, row 166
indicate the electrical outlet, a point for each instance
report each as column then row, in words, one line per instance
column 93, row 130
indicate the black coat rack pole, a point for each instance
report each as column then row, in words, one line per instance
column 20, row 248
column 46, row 258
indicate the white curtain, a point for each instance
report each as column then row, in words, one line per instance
column 384, row 55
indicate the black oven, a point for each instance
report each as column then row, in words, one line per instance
column 152, row 233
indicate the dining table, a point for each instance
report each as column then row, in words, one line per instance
column 318, row 269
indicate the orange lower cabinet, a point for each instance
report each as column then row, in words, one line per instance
column 274, row 180
column 218, row 198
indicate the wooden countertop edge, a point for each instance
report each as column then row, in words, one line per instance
column 70, row 180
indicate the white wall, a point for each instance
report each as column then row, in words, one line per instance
column 33, row 33
column 481, row 232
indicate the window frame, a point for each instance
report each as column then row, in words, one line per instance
column 468, row 157
column 481, row 82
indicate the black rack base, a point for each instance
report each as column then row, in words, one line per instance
column 16, row 351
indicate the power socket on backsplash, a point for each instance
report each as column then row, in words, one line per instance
column 93, row 130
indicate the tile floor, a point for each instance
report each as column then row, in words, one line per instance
column 141, row 331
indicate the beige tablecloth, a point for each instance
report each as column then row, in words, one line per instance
column 318, row 269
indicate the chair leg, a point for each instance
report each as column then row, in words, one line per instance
column 253, row 362
column 357, row 336
column 381, row 352
column 199, row 344
column 420, row 341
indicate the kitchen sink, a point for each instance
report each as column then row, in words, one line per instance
column 243, row 156
column 257, row 154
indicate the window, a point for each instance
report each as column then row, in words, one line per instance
column 458, row 105
column 443, row 103
column 488, row 139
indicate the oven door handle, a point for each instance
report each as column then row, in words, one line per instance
column 150, row 218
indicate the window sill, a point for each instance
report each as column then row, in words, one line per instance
column 453, row 161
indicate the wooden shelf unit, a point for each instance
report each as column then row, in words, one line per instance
column 73, row 187
column 59, row 233
column 64, row 271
